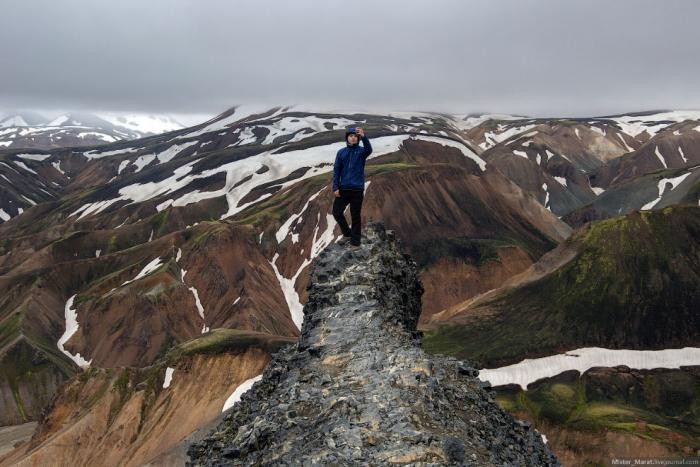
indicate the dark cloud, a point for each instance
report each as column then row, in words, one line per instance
column 546, row 57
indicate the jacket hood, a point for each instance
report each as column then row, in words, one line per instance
column 350, row 131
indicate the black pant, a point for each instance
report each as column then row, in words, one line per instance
column 354, row 199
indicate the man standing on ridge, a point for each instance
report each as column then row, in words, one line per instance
column 349, row 183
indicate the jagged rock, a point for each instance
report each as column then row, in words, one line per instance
column 357, row 389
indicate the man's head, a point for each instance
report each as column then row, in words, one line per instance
column 351, row 136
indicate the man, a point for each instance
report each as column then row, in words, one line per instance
column 349, row 183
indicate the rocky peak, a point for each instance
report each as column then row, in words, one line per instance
column 357, row 389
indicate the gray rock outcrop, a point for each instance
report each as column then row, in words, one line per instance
column 357, row 389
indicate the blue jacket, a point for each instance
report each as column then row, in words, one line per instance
column 349, row 167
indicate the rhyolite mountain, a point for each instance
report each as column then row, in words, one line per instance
column 115, row 255
column 31, row 130
column 629, row 282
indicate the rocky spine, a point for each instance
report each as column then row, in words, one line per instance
column 357, row 389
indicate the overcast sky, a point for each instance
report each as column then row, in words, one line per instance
column 533, row 57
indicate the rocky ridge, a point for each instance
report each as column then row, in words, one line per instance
column 358, row 389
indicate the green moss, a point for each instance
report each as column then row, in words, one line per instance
column 627, row 267
column 228, row 340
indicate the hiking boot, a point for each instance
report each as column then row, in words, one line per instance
column 344, row 240
column 355, row 246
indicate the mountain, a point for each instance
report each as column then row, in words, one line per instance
column 619, row 293
column 30, row 130
column 636, row 288
column 115, row 255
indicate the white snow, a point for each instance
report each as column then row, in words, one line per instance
column 174, row 150
column 627, row 147
column 95, row 154
column 122, row 166
column 4, row 216
column 142, row 123
column 71, row 316
column 546, row 199
column 99, row 135
column 236, row 300
column 652, row 124
column 238, row 392
column 283, row 231
column 521, row 154
column 32, row 202
column 15, row 120
column 241, row 112
column 164, row 205
column 319, row 158
column 680, row 151
column 24, row 166
column 197, row 301
column 600, row 131
column 34, row 157
column 550, row 154
column 149, row 268
column 538, row 158
column 492, row 138
column 194, row 291
column 561, row 180
column 150, row 238
column 143, row 161
column 57, row 166
column 530, row 370
column 97, row 253
column 454, row 144
column 676, row 133
column 597, row 190
column 319, row 242
column 168, row 377
column 661, row 158
column 289, row 125
column 662, row 187
column 577, row 133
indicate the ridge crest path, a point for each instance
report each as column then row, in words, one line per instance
column 357, row 389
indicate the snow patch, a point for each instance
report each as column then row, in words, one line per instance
column 530, row 370
column 57, row 166
column 168, row 377
column 4, row 216
column 561, row 180
column 454, row 144
column 660, row 157
column 627, row 147
column 24, row 166
column 521, row 154
column 149, row 268
column 71, row 316
column 238, row 392
column 662, row 187
column 34, row 157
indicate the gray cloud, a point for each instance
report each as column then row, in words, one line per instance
column 544, row 57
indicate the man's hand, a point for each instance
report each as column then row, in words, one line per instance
column 337, row 193
column 360, row 132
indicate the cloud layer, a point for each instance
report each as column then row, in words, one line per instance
column 544, row 57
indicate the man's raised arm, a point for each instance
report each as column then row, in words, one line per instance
column 366, row 144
